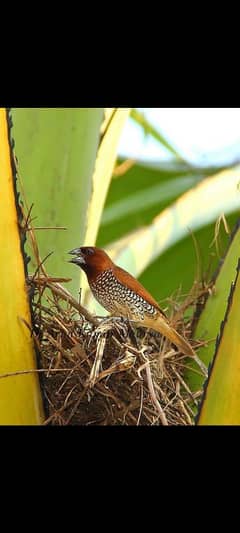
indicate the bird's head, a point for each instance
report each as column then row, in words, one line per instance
column 91, row 259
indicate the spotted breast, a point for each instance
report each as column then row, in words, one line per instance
column 115, row 297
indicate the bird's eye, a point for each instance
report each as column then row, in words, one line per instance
column 89, row 251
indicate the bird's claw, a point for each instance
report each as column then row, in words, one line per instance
column 109, row 324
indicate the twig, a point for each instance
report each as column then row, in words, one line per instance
column 57, row 289
column 32, row 371
column 154, row 398
column 141, row 404
column 185, row 386
column 44, row 227
column 41, row 280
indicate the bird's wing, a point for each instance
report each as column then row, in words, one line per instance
column 126, row 279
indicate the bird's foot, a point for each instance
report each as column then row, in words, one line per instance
column 109, row 324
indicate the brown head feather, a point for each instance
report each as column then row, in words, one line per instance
column 92, row 260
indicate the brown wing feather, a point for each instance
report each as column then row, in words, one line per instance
column 132, row 283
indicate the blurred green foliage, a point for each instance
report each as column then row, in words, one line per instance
column 177, row 267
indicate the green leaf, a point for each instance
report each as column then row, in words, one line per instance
column 56, row 151
column 192, row 211
column 179, row 168
column 221, row 402
column 20, row 398
column 141, row 193
column 173, row 273
column 147, row 198
column 198, row 207
column 106, row 158
column 215, row 307
column 149, row 129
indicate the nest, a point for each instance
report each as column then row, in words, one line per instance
column 106, row 371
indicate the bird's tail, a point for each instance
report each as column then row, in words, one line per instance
column 168, row 331
column 162, row 326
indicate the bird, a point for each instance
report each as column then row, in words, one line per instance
column 122, row 295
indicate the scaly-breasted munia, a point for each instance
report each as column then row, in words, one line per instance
column 122, row 295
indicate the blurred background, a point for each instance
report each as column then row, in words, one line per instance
column 157, row 188
column 203, row 135
column 162, row 154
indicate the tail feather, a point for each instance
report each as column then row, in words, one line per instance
column 168, row 331
column 161, row 325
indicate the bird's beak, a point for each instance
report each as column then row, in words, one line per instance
column 75, row 251
column 79, row 259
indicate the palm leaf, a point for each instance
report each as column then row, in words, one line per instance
column 20, row 399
